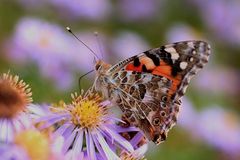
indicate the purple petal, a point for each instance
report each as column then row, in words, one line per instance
column 90, row 146
column 10, row 132
column 122, row 141
column 139, row 153
column 77, row 147
column 108, row 152
column 136, row 139
column 68, row 141
column 68, row 131
column 18, row 126
column 121, row 129
column 51, row 120
column 25, row 120
column 61, row 129
column 99, row 148
column 50, row 117
column 3, row 128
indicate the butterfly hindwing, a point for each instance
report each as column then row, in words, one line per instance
column 143, row 99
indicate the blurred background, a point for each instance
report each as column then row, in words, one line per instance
column 35, row 45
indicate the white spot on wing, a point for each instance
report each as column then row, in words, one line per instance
column 173, row 52
column 170, row 49
column 190, row 44
column 183, row 65
column 174, row 55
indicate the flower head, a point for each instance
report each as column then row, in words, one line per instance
column 12, row 151
column 87, row 126
column 30, row 144
column 220, row 129
column 131, row 42
column 88, row 9
column 15, row 96
column 143, row 9
column 87, row 112
column 29, row 138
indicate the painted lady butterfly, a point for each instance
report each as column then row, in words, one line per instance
column 148, row 87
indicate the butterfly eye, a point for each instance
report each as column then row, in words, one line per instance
column 156, row 121
column 97, row 67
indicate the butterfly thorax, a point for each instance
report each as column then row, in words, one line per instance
column 102, row 81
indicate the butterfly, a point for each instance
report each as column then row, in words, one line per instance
column 148, row 87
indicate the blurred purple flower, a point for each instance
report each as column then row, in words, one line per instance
column 138, row 9
column 181, row 32
column 220, row 129
column 12, row 152
column 87, row 121
column 32, row 4
column 45, row 44
column 218, row 81
column 223, row 18
column 127, row 44
column 89, row 9
column 188, row 116
column 9, row 127
column 45, row 148
column 56, row 53
column 83, row 59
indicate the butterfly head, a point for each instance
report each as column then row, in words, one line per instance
column 101, row 67
column 101, row 81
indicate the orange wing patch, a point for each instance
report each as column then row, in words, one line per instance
column 163, row 69
column 148, row 62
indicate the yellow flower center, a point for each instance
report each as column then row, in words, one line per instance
column 35, row 144
column 87, row 112
column 15, row 95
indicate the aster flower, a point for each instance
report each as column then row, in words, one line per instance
column 220, row 129
column 211, row 78
column 213, row 12
column 188, row 116
column 32, row 4
column 45, row 44
column 138, row 9
column 89, row 9
column 55, row 52
column 131, row 42
column 22, row 147
column 180, row 32
column 15, row 96
column 86, row 125
column 12, row 151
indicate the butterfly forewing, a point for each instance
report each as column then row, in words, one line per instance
column 148, row 87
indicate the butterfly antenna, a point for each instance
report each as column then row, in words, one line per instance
column 81, row 77
column 70, row 31
column 99, row 44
